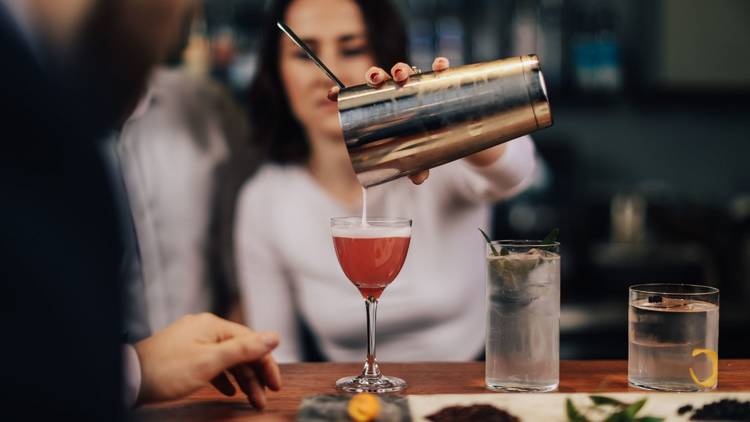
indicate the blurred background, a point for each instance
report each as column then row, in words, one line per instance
column 646, row 169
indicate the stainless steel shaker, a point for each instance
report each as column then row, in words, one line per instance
column 437, row 117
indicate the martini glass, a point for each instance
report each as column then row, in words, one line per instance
column 371, row 252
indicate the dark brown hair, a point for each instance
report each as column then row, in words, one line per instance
column 275, row 129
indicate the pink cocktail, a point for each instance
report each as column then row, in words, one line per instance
column 371, row 263
column 371, row 253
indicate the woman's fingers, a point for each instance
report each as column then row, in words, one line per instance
column 333, row 93
column 375, row 76
column 222, row 383
column 440, row 63
column 401, row 71
column 419, row 178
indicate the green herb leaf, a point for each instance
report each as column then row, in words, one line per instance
column 602, row 400
column 573, row 414
column 489, row 242
column 622, row 412
column 635, row 407
column 621, row 416
column 551, row 237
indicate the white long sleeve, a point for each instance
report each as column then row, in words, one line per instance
column 177, row 153
column 265, row 292
column 510, row 174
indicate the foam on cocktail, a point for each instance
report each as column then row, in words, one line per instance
column 370, row 231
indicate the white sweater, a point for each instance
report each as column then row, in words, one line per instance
column 433, row 311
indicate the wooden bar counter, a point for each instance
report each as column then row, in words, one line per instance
column 303, row 379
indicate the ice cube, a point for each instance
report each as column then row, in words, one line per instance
column 542, row 253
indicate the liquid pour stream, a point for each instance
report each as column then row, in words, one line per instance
column 364, row 207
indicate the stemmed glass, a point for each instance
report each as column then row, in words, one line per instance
column 371, row 252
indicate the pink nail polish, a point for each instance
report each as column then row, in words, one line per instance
column 374, row 76
column 398, row 73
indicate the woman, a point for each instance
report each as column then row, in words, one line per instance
column 287, row 268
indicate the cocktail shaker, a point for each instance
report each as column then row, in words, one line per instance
column 436, row 117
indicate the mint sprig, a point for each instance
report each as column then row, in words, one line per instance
column 551, row 238
column 604, row 400
column 573, row 414
column 492, row 247
column 613, row 410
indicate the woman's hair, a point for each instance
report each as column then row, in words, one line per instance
column 275, row 129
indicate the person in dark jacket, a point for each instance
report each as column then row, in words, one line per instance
column 71, row 72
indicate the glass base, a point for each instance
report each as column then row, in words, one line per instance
column 521, row 388
column 365, row 384
column 670, row 387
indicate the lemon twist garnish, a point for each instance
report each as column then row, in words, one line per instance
column 364, row 407
column 709, row 382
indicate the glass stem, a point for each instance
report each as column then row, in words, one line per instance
column 371, row 365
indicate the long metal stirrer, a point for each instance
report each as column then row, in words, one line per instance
column 301, row 44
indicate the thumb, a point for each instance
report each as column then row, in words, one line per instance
column 245, row 348
column 333, row 93
column 419, row 178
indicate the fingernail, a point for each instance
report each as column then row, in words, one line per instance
column 270, row 339
column 374, row 77
column 398, row 73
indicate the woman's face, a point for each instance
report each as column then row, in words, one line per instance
column 335, row 31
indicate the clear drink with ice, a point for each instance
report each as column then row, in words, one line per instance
column 673, row 337
column 523, row 316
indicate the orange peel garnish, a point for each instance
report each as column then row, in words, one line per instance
column 364, row 407
column 709, row 382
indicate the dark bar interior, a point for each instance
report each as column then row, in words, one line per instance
column 193, row 211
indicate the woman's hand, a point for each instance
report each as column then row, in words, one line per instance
column 400, row 73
